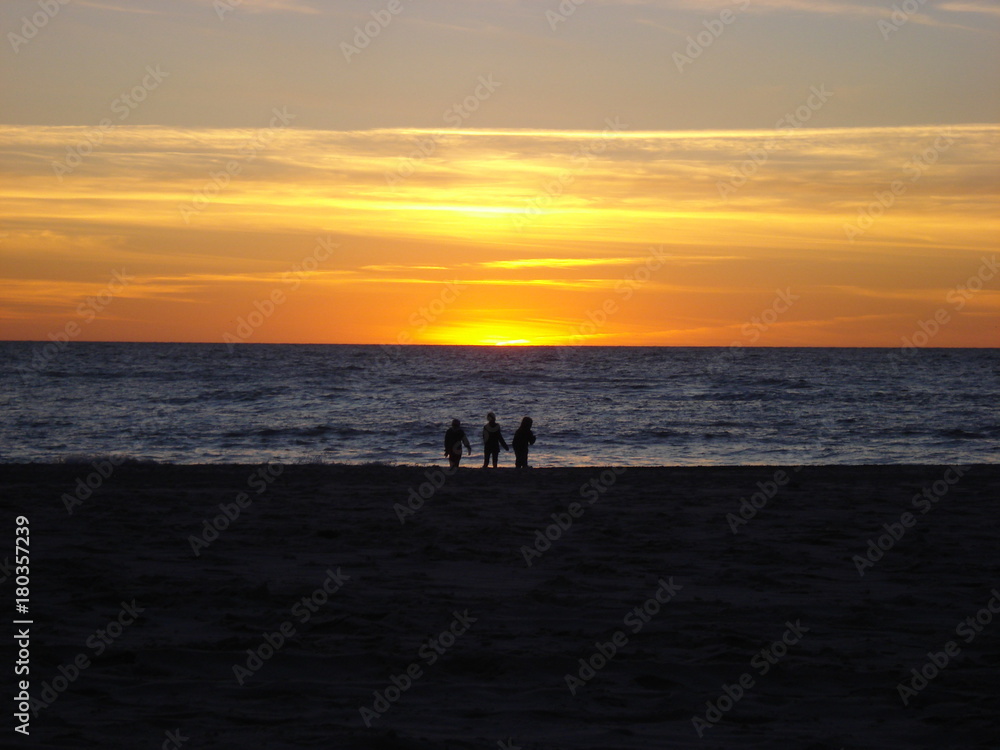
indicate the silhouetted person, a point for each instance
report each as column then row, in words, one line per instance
column 453, row 440
column 492, row 440
column 522, row 439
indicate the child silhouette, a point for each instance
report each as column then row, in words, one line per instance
column 522, row 439
column 453, row 440
column 492, row 440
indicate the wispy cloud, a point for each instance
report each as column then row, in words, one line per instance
column 456, row 218
column 404, row 268
column 842, row 8
column 971, row 7
column 557, row 262
column 467, row 191
column 268, row 6
column 117, row 8
column 250, row 6
column 670, row 256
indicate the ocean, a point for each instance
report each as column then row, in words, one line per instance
column 629, row 406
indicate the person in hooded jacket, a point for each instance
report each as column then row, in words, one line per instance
column 523, row 437
column 492, row 440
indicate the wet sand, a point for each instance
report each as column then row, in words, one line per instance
column 365, row 607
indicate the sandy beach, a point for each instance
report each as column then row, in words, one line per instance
column 407, row 607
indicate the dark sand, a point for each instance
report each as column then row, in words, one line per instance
column 503, row 680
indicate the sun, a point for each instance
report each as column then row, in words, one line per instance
column 496, row 333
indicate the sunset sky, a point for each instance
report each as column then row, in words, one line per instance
column 641, row 172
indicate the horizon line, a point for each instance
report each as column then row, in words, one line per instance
column 495, row 346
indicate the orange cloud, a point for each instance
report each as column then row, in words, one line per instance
column 546, row 231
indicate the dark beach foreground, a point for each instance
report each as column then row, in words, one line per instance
column 368, row 607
